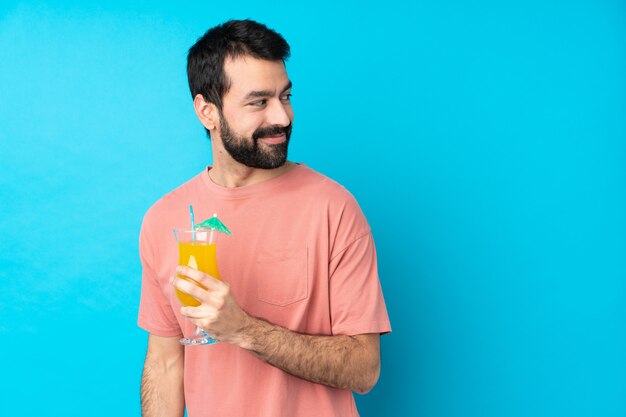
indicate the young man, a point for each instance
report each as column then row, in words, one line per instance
column 300, row 310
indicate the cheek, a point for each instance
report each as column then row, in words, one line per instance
column 250, row 125
column 244, row 124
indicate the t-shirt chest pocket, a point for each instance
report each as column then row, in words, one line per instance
column 281, row 275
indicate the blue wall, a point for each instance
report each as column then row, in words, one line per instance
column 485, row 142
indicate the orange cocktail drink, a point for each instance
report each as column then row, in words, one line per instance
column 200, row 255
column 197, row 249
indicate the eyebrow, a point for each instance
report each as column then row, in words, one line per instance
column 266, row 93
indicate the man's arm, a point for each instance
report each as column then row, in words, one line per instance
column 162, row 379
column 345, row 362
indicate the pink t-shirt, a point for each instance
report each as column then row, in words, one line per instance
column 301, row 256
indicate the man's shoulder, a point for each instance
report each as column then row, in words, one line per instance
column 322, row 185
column 342, row 211
column 171, row 201
column 328, row 195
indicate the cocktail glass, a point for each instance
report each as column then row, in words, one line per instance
column 196, row 249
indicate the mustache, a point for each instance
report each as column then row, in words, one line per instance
column 263, row 132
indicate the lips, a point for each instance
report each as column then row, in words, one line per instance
column 274, row 140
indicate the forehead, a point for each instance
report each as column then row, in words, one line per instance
column 248, row 74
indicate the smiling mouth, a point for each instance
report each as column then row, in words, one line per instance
column 274, row 139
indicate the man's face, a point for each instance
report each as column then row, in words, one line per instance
column 255, row 124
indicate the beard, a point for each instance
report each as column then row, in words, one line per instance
column 247, row 151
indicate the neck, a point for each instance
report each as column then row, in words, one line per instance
column 227, row 172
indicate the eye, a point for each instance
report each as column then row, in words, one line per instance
column 258, row 103
column 285, row 98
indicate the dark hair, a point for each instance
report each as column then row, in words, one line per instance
column 235, row 38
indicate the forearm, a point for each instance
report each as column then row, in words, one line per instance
column 345, row 362
column 162, row 388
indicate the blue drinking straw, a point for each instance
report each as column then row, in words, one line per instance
column 193, row 233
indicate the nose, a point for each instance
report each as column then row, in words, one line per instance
column 279, row 113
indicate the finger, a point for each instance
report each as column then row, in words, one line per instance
column 212, row 298
column 203, row 312
column 199, row 276
column 190, row 288
column 210, row 282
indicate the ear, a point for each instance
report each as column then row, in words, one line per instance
column 206, row 112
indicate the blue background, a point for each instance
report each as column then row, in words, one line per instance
column 485, row 142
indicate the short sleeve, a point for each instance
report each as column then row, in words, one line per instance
column 356, row 298
column 155, row 312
